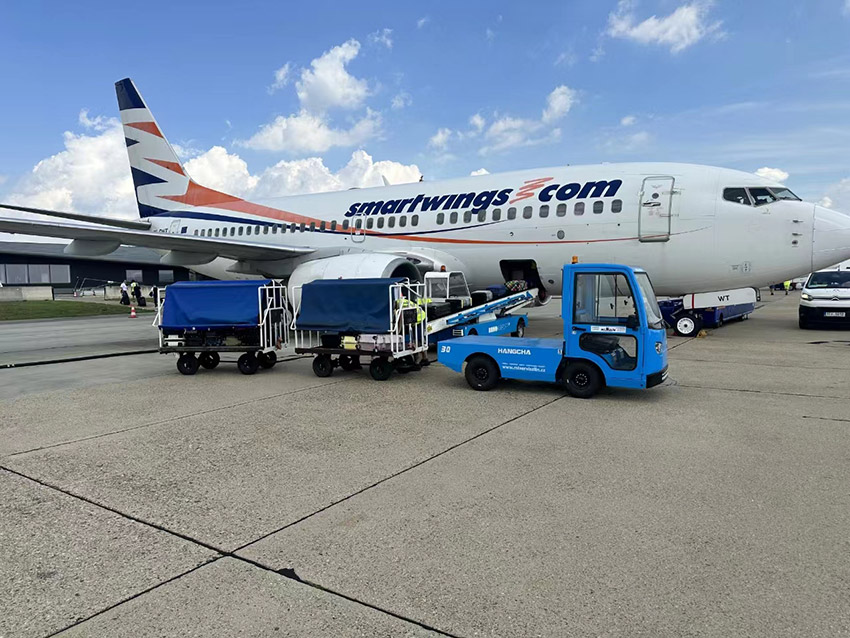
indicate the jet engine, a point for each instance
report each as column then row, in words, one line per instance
column 353, row 266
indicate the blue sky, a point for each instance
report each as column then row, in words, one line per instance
column 444, row 88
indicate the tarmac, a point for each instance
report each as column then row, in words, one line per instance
column 138, row 502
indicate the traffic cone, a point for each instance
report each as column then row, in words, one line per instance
column 132, row 312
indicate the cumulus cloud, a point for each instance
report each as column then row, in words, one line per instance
column 686, row 26
column 513, row 132
column 91, row 175
column 401, row 100
column 558, row 103
column 773, row 174
column 281, row 78
column 628, row 120
column 306, row 132
column 838, row 196
column 480, row 171
column 477, row 123
column 421, row 22
column 440, row 140
column 327, row 84
column 382, row 36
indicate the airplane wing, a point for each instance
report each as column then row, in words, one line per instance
column 103, row 240
column 94, row 219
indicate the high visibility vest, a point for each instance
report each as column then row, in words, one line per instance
column 404, row 302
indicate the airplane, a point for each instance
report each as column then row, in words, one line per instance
column 693, row 228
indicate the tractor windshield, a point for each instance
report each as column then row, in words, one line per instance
column 650, row 303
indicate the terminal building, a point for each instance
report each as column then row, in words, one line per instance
column 32, row 263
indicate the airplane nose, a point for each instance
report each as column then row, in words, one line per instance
column 831, row 241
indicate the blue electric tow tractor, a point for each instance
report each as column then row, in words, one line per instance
column 614, row 336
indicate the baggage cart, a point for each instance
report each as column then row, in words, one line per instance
column 199, row 320
column 341, row 320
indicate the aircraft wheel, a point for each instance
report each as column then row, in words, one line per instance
column 687, row 325
column 266, row 359
column 247, row 363
column 209, row 360
column 380, row 369
column 520, row 329
column 482, row 373
column 583, row 379
column 323, row 366
column 187, row 363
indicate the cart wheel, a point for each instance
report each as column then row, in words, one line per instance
column 583, row 379
column 520, row 329
column 247, row 363
column 482, row 373
column 209, row 360
column 323, row 366
column 187, row 363
column 380, row 369
column 688, row 325
column 472, row 333
column 266, row 359
column 349, row 362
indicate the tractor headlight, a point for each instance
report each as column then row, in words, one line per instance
column 806, row 296
column 659, row 347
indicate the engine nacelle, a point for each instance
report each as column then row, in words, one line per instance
column 352, row 266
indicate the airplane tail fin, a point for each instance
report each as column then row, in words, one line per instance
column 158, row 175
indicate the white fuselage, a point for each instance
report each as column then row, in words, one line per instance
column 689, row 238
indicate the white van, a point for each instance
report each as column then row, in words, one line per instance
column 825, row 298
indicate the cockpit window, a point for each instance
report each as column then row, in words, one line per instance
column 784, row 193
column 761, row 196
column 737, row 195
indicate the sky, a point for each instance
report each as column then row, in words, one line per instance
column 272, row 99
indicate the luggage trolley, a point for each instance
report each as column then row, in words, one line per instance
column 198, row 320
column 341, row 320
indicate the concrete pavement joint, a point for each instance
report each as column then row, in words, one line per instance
column 399, row 473
column 176, row 418
column 825, row 418
column 781, row 394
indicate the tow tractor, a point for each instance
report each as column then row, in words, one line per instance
column 690, row 314
column 453, row 311
column 614, row 336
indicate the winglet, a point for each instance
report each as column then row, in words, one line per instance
column 128, row 96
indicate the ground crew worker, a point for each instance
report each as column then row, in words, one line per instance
column 787, row 286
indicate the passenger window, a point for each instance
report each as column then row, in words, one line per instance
column 322, row 226
column 402, row 221
column 414, row 220
column 380, row 222
column 312, row 226
column 293, row 228
column 482, row 215
column 390, row 222
column 256, row 230
column 333, row 226
column 241, row 231
column 467, row 216
column 761, row 196
column 216, row 232
column 441, row 217
column 512, row 213
column 737, row 195
column 274, row 229
column 265, row 230
column 358, row 223
column 598, row 207
column 247, row 230
column 497, row 214
column 453, row 217
column 302, row 227
column 616, row 205
column 561, row 210
column 203, row 232
column 195, row 232
column 526, row 212
column 578, row 209
column 370, row 221
column 544, row 211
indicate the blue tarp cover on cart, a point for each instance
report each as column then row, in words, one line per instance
column 212, row 304
column 346, row 305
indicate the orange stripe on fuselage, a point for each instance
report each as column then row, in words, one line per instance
column 148, row 127
column 172, row 166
